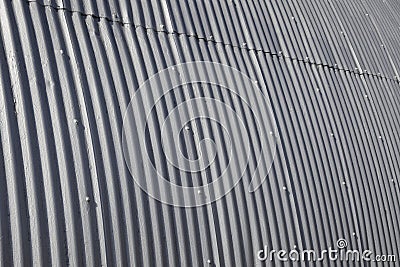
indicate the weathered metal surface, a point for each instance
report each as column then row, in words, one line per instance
column 68, row 70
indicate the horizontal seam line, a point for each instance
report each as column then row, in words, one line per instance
column 280, row 54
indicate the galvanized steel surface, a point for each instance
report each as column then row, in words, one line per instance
column 68, row 70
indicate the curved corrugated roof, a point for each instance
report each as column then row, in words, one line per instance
column 69, row 69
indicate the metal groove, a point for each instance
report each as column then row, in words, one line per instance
column 70, row 69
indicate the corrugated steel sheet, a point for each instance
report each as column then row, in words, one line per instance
column 68, row 70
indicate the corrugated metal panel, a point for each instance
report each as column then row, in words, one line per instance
column 68, row 70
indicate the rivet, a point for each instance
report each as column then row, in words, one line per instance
column 380, row 137
column 354, row 234
column 343, row 183
column 162, row 26
column 61, row 52
column 87, row 199
column 244, row 44
column 199, row 192
column 284, row 188
column 187, row 128
column 76, row 121
column 209, row 261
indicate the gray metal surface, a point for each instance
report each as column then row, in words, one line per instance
column 68, row 70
